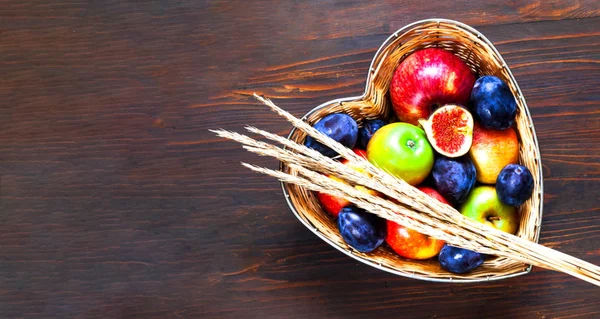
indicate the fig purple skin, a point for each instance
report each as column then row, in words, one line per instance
column 514, row 184
column 340, row 127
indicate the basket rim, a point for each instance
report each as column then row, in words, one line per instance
column 316, row 231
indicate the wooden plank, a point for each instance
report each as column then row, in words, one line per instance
column 117, row 202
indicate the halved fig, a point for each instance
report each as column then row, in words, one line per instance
column 449, row 130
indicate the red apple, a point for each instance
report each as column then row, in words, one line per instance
column 426, row 78
column 433, row 194
column 492, row 150
column 410, row 243
column 333, row 204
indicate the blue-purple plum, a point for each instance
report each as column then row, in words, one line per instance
column 366, row 132
column 340, row 127
column 459, row 260
column 454, row 177
column 514, row 184
column 492, row 103
column 361, row 230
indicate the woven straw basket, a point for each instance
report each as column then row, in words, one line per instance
column 481, row 56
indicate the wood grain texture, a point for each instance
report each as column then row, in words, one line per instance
column 116, row 202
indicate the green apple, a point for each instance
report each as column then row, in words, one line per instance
column 484, row 206
column 402, row 150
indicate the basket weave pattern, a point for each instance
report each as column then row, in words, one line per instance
column 483, row 59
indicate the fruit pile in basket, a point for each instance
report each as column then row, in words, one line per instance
column 454, row 139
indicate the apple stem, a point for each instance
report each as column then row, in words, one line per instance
column 493, row 218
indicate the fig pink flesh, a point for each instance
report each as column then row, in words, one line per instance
column 446, row 126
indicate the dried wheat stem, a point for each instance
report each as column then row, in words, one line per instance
column 517, row 248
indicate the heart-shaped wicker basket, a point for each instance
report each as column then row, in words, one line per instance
column 483, row 58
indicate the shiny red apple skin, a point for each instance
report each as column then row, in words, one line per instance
column 433, row 194
column 332, row 204
column 410, row 243
column 426, row 78
column 492, row 150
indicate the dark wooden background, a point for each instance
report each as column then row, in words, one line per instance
column 116, row 202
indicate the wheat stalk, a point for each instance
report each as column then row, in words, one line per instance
column 412, row 208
